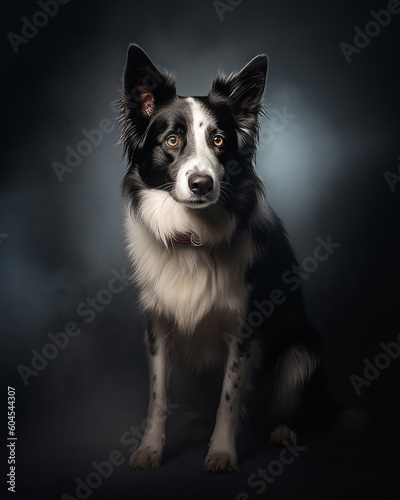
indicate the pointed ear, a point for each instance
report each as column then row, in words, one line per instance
column 244, row 91
column 245, row 88
column 144, row 86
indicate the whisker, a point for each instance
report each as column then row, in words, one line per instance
column 225, row 188
column 223, row 195
column 166, row 185
column 165, row 199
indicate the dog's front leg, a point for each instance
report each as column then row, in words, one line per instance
column 149, row 453
column 221, row 455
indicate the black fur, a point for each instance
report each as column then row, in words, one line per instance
column 150, row 112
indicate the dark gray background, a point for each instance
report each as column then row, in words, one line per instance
column 62, row 241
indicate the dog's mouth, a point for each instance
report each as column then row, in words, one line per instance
column 193, row 200
column 198, row 203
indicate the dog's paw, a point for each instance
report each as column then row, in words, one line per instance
column 145, row 458
column 220, row 462
column 283, row 435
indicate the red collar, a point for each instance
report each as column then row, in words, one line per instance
column 185, row 239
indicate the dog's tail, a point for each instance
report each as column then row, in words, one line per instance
column 294, row 372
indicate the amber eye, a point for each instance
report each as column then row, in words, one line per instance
column 218, row 141
column 172, row 141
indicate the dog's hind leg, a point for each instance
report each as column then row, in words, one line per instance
column 149, row 453
column 294, row 369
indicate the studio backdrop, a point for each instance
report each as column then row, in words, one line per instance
column 73, row 363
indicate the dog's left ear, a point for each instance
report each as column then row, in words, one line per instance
column 244, row 90
column 144, row 85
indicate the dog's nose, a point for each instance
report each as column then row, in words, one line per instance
column 200, row 184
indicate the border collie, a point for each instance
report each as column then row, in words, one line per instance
column 209, row 253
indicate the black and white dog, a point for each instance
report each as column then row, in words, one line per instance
column 209, row 253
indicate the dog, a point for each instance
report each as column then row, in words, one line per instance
column 208, row 254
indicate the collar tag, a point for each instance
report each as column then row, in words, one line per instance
column 186, row 239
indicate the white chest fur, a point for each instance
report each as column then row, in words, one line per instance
column 185, row 283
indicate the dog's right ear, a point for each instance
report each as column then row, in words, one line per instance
column 143, row 85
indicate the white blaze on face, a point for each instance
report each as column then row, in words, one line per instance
column 203, row 160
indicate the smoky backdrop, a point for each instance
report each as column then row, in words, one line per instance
column 329, row 155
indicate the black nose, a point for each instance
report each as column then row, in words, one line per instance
column 200, row 184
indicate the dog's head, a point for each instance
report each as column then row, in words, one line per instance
column 198, row 149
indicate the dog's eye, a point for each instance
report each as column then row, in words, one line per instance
column 172, row 141
column 218, row 141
